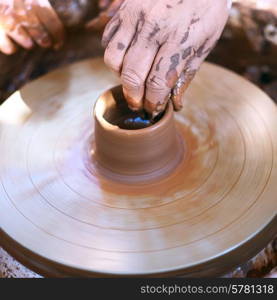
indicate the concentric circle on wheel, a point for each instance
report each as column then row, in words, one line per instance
column 59, row 210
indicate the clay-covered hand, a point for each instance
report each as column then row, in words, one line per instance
column 29, row 22
column 157, row 46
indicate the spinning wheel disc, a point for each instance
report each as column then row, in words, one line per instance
column 61, row 217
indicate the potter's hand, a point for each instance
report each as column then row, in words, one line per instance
column 157, row 46
column 29, row 22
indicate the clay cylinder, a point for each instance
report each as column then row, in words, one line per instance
column 139, row 154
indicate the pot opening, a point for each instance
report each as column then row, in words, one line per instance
column 119, row 114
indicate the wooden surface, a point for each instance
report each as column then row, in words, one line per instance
column 63, row 220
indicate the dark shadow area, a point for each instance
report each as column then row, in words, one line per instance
column 123, row 117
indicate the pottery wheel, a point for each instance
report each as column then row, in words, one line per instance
column 59, row 216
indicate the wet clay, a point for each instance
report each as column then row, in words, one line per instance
column 130, row 145
column 125, row 118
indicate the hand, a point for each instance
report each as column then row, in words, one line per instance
column 108, row 8
column 156, row 47
column 29, row 22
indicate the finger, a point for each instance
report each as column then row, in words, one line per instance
column 34, row 27
column 21, row 37
column 193, row 56
column 39, row 35
column 181, row 86
column 50, row 20
column 137, row 64
column 118, row 45
column 15, row 31
column 163, row 76
column 111, row 29
column 192, row 65
column 6, row 45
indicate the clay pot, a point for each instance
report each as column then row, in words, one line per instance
column 133, row 154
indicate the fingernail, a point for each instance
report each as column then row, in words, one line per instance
column 133, row 104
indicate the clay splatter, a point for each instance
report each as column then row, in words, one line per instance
column 139, row 27
column 200, row 51
column 155, row 30
column 186, row 52
column 120, row 46
column 171, row 75
column 185, row 37
column 158, row 64
column 193, row 21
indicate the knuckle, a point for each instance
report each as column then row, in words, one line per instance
column 131, row 79
column 150, row 23
column 156, row 84
column 150, row 29
column 130, row 18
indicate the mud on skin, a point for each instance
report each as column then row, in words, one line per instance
column 163, row 40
